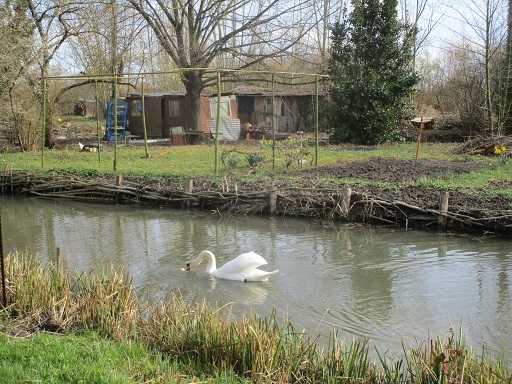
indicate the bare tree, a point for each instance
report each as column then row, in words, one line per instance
column 107, row 43
column 54, row 22
column 15, row 61
column 325, row 13
column 508, row 60
column 196, row 34
column 421, row 15
column 484, row 43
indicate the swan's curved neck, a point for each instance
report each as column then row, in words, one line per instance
column 211, row 265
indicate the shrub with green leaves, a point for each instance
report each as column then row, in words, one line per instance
column 232, row 162
column 255, row 158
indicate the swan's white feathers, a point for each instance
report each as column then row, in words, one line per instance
column 242, row 268
column 244, row 263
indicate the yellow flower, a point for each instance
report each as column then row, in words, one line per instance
column 497, row 150
column 503, row 149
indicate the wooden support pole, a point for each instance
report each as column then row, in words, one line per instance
column 2, row 266
column 273, row 201
column 419, row 142
column 189, row 187
column 119, row 181
column 59, row 260
column 346, row 195
column 443, row 208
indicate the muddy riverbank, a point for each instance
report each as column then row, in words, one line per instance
column 389, row 193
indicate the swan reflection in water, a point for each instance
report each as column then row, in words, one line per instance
column 206, row 287
column 232, row 291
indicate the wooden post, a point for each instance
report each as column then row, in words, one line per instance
column 419, row 141
column 217, row 124
column 59, row 260
column 8, row 169
column 2, row 266
column 273, row 200
column 346, row 195
column 119, row 181
column 189, row 187
column 443, row 208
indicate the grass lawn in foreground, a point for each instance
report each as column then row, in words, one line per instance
column 87, row 358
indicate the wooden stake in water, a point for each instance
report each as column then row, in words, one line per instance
column 443, row 208
column 2, row 266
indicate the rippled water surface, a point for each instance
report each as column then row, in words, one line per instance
column 386, row 284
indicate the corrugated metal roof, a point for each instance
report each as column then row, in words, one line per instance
column 245, row 90
column 166, row 94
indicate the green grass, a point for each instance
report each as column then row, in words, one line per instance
column 77, row 358
column 199, row 160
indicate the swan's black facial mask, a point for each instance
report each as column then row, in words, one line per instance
column 188, row 267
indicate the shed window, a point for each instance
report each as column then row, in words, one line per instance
column 174, row 108
column 245, row 104
column 279, row 106
column 224, row 109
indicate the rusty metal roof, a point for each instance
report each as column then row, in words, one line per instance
column 245, row 90
column 166, row 94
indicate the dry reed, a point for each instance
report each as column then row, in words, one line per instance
column 213, row 341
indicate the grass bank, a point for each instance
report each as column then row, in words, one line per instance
column 200, row 160
column 62, row 327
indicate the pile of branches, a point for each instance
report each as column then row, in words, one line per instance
column 327, row 205
column 485, row 146
column 112, row 191
column 315, row 203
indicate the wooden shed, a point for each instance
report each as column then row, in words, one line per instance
column 87, row 108
column 294, row 110
column 164, row 111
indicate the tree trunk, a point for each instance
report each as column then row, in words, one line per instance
column 488, row 96
column 49, row 137
column 194, row 86
column 509, row 63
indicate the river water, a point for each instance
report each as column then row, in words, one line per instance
column 389, row 285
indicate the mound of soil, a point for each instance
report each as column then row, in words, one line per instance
column 410, row 173
column 394, row 170
column 367, row 174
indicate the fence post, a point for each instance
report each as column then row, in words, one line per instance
column 443, row 208
column 189, row 187
column 346, row 195
column 273, row 200
column 2, row 266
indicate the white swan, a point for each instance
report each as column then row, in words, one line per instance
column 242, row 268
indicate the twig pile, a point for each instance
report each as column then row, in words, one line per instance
column 321, row 204
column 484, row 145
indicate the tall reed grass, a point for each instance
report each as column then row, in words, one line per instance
column 212, row 342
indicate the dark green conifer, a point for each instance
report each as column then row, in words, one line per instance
column 371, row 74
